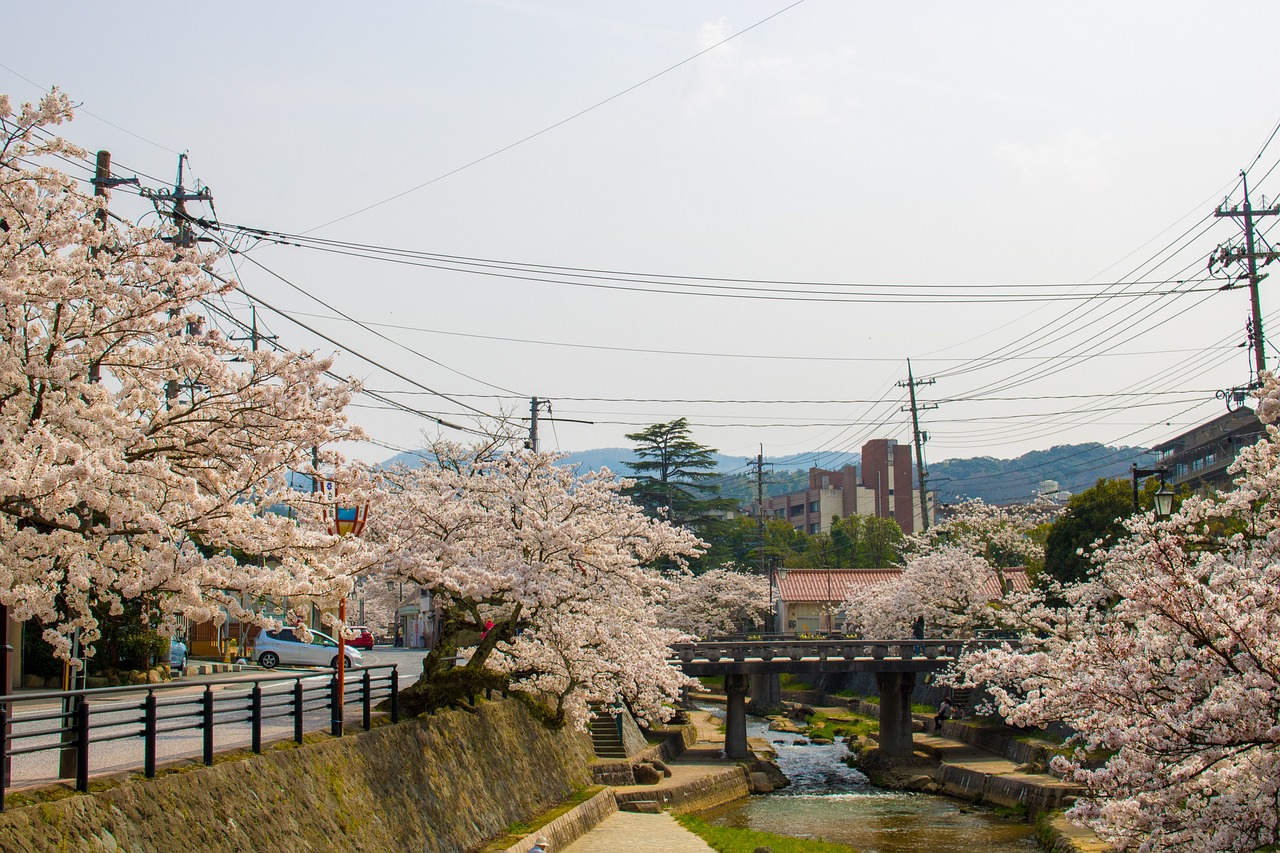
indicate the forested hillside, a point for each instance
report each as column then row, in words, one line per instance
column 1076, row 467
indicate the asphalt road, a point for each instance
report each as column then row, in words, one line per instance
column 119, row 716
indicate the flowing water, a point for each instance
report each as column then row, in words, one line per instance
column 828, row 799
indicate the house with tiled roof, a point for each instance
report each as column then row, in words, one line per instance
column 807, row 598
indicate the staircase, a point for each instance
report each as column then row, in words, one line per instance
column 605, row 738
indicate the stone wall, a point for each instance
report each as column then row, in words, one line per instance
column 999, row 741
column 1037, row 792
column 438, row 784
column 703, row 793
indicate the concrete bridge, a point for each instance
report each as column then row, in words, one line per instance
column 894, row 662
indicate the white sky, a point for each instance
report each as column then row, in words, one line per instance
column 947, row 144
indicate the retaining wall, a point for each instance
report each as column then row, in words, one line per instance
column 437, row 784
column 705, row 793
column 998, row 740
column 1035, row 791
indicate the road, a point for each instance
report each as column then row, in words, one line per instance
column 119, row 715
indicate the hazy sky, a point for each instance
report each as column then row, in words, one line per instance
column 757, row 239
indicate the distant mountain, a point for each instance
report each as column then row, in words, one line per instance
column 1075, row 467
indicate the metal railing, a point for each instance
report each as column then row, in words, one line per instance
column 76, row 720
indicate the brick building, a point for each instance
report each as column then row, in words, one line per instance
column 882, row 486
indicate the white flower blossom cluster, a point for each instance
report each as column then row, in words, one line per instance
column 138, row 460
column 551, row 569
column 1166, row 662
column 954, row 575
column 720, row 601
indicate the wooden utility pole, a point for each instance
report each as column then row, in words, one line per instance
column 1226, row 254
column 920, row 439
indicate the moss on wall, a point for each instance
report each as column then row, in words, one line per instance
column 442, row 783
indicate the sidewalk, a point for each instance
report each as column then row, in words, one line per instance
column 627, row 832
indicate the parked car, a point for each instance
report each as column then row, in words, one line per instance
column 273, row 648
column 363, row 638
column 177, row 654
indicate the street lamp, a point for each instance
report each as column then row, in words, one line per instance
column 1163, row 498
column 342, row 521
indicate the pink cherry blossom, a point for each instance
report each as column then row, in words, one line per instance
column 140, row 460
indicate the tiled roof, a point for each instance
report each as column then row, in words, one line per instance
column 834, row 584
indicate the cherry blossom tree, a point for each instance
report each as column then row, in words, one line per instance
column 1005, row 536
column 956, row 593
column 1166, row 662
column 548, row 573
column 955, row 574
column 140, row 458
column 720, row 601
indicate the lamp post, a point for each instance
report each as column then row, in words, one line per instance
column 1163, row 498
column 342, row 521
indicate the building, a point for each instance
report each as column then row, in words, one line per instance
column 886, row 488
column 417, row 619
column 808, row 598
column 1201, row 456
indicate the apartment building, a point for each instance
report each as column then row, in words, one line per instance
column 1200, row 457
column 882, row 486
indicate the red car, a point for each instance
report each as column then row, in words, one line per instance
column 363, row 638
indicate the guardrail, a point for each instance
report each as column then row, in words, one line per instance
column 81, row 718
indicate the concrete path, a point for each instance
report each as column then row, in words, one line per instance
column 979, row 760
column 628, row 832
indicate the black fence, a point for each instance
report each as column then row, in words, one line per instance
column 71, row 722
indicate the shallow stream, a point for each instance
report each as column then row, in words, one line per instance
column 827, row 799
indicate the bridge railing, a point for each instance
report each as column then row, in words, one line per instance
column 739, row 648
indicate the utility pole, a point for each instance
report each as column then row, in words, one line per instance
column 102, row 181
column 1226, row 254
column 254, row 335
column 535, row 404
column 760, row 529
column 920, row 439
column 177, row 203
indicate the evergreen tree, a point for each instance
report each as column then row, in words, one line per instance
column 1095, row 515
column 673, row 477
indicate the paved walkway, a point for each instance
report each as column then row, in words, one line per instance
column 627, row 832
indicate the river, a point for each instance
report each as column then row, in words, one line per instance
column 828, row 799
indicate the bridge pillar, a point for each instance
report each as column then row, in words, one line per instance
column 895, row 712
column 735, row 723
column 766, row 692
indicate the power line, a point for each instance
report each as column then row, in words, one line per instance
column 562, row 121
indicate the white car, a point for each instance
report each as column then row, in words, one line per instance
column 273, row 648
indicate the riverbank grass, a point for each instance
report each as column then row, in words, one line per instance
column 728, row 840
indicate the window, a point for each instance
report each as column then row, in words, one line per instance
column 779, row 513
column 814, row 506
column 797, row 509
column 815, row 528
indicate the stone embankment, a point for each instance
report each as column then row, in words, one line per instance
column 437, row 784
column 440, row 784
